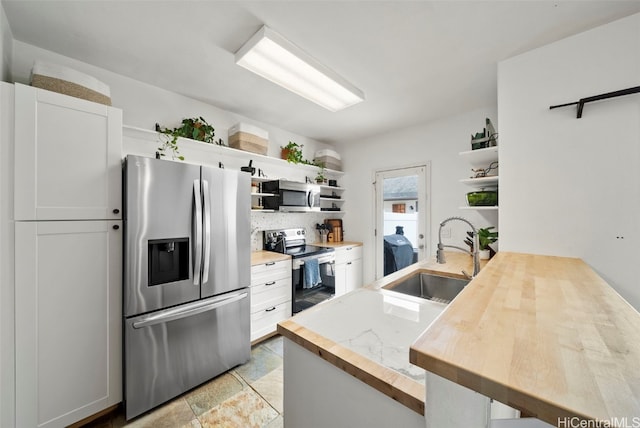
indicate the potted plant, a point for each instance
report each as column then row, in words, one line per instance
column 320, row 178
column 194, row 128
column 292, row 152
column 485, row 238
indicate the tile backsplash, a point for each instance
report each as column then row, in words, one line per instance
column 269, row 221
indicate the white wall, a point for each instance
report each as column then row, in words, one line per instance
column 571, row 187
column 437, row 142
column 6, row 240
column 145, row 105
column 7, row 294
column 6, row 47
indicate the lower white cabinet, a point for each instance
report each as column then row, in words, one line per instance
column 270, row 296
column 68, row 320
column 348, row 268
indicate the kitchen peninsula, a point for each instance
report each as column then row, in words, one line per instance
column 367, row 334
column 545, row 335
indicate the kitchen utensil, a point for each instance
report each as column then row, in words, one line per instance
column 251, row 170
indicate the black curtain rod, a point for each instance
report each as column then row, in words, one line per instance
column 583, row 101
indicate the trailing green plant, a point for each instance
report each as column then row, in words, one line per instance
column 292, row 152
column 320, row 178
column 486, row 237
column 195, row 128
column 169, row 145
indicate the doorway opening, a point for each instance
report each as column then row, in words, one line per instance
column 401, row 208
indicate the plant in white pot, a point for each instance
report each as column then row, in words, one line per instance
column 485, row 238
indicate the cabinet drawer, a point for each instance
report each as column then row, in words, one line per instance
column 269, row 271
column 272, row 295
column 347, row 254
column 270, row 285
column 264, row 322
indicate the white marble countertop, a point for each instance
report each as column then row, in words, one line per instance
column 379, row 324
column 368, row 332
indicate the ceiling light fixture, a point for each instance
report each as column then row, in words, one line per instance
column 273, row 57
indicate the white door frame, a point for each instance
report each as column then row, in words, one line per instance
column 423, row 171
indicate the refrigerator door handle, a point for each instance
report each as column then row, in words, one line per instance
column 188, row 310
column 207, row 230
column 197, row 259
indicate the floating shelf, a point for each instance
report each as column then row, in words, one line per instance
column 492, row 208
column 490, row 181
column 481, row 157
column 323, row 186
column 153, row 138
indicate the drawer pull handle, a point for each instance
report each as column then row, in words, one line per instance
column 270, row 264
column 349, row 248
column 269, row 283
column 349, row 263
column 270, row 309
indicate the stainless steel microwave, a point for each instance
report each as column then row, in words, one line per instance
column 291, row 196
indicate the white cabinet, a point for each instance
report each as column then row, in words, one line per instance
column 270, row 296
column 68, row 319
column 67, row 157
column 348, row 268
column 68, row 257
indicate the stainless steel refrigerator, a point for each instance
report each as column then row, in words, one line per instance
column 186, row 277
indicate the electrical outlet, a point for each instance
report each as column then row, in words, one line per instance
column 446, row 232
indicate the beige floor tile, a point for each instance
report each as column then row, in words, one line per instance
column 246, row 409
column 262, row 361
column 270, row 387
column 276, row 423
column 175, row 414
column 275, row 344
column 213, row 393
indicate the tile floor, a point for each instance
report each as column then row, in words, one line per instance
column 250, row 395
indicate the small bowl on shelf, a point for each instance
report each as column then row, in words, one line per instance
column 482, row 198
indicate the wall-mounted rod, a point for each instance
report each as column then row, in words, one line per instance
column 583, row 101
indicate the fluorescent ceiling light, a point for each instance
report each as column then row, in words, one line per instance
column 273, row 57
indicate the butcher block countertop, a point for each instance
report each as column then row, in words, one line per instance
column 367, row 332
column 542, row 334
column 261, row 257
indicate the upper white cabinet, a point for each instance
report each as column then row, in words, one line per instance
column 67, row 157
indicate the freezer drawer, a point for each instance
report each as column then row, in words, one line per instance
column 171, row 351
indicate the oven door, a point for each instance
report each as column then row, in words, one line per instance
column 305, row 294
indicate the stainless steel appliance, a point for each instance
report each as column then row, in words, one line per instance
column 186, row 277
column 313, row 267
column 291, row 196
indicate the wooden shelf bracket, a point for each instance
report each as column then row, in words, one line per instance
column 580, row 103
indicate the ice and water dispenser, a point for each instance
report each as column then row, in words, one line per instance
column 168, row 260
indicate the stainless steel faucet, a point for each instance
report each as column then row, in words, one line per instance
column 476, row 257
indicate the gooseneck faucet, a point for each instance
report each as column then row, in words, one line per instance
column 440, row 253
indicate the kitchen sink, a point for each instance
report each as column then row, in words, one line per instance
column 432, row 287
